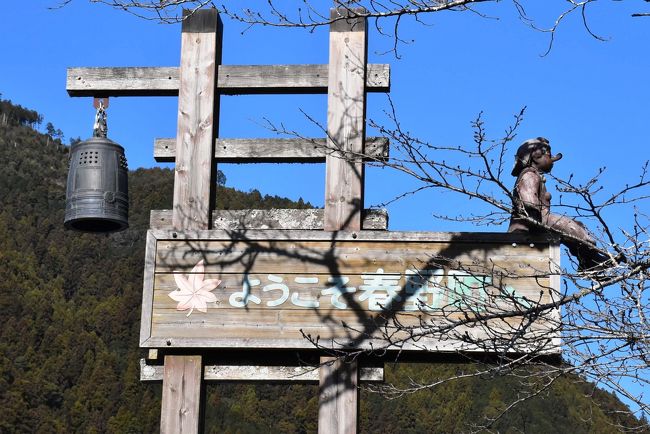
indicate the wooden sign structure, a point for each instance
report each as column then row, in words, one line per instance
column 272, row 289
column 264, row 280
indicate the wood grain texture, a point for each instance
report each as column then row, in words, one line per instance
column 232, row 79
column 276, row 219
column 285, row 374
column 182, row 382
column 123, row 81
column 555, row 283
column 346, row 258
column 444, row 291
column 147, row 293
column 338, row 396
column 281, row 306
column 272, row 150
column 346, row 112
column 198, row 118
column 353, row 256
column 515, row 240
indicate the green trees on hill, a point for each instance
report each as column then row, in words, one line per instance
column 69, row 326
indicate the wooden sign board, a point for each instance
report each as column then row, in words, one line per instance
column 288, row 289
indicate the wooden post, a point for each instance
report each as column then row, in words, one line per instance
column 346, row 112
column 338, row 407
column 198, row 119
column 180, row 410
column 346, row 107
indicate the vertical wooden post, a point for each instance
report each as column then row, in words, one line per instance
column 198, row 120
column 338, row 406
column 346, row 112
column 180, row 412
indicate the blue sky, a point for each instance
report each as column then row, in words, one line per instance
column 590, row 98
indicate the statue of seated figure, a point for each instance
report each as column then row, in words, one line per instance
column 532, row 203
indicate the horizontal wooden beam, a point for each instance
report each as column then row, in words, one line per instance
column 257, row 373
column 231, row 80
column 282, row 219
column 516, row 239
column 299, row 150
column 131, row 81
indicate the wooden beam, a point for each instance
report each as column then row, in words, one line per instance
column 280, row 219
column 232, row 79
column 288, row 374
column 181, row 397
column 346, row 112
column 123, row 81
column 516, row 240
column 198, row 120
column 338, row 391
column 338, row 394
column 300, row 150
column 252, row 311
column 198, row 126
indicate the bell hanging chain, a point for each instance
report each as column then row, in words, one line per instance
column 100, row 129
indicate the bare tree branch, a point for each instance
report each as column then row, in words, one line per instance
column 604, row 321
column 310, row 14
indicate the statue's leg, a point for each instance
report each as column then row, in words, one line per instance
column 586, row 252
column 569, row 226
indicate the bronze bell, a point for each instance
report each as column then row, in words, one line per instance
column 97, row 198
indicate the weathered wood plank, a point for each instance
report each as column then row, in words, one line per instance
column 292, row 79
column 346, row 112
column 539, row 343
column 555, row 284
column 181, row 404
column 280, row 219
column 222, row 263
column 516, row 240
column 274, row 292
column 353, row 257
column 288, row 374
column 148, row 286
column 338, row 396
column 345, row 326
column 232, row 79
column 198, row 121
column 409, row 293
column 123, row 81
column 272, row 150
column 198, row 126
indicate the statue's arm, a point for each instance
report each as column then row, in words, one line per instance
column 528, row 188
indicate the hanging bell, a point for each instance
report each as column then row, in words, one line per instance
column 97, row 198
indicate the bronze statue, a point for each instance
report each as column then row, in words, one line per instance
column 531, row 201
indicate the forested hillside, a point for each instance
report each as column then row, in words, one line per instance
column 69, row 325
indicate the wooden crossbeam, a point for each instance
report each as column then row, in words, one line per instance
column 231, row 80
column 289, row 374
column 516, row 240
column 300, row 150
column 281, row 219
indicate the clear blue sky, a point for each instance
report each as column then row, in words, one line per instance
column 589, row 98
